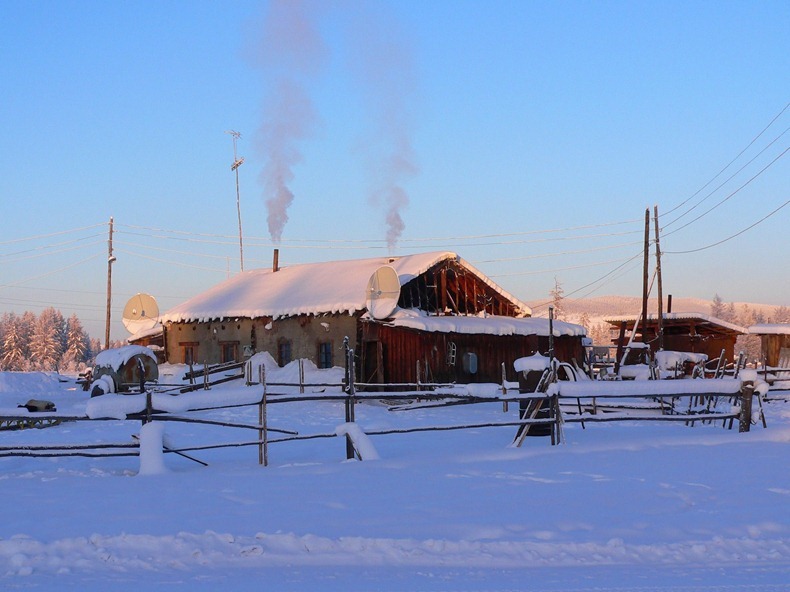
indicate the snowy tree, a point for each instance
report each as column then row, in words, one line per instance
column 13, row 357
column 77, row 346
column 557, row 296
column 782, row 315
column 46, row 344
column 717, row 307
column 584, row 321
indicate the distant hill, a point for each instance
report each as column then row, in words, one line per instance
column 601, row 307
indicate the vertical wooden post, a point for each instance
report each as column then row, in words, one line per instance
column 263, row 435
column 745, row 419
column 301, row 376
column 660, row 326
column 350, row 392
column 645, row 275
column 504, row 388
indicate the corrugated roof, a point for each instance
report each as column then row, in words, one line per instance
column 312, row 288
column 770, row 329
column 679, row 316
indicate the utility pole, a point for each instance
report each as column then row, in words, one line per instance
column 237, row 162
column 660, row 287
column 645, row 275
column 110, row 261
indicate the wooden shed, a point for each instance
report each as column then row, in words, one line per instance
column 684, row 332
column 775, row 340
column 448, row 317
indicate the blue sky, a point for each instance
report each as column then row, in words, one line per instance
column 496, row 121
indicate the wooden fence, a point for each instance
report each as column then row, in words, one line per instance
column 563, row 402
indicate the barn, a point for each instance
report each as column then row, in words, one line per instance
column 684, row 332
column 775, row 340
column 448, row 321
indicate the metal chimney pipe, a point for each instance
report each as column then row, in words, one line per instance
column 276, row 261
column 669, row 303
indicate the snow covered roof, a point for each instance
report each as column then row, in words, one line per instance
column 680, row 316
column 770, row 329
column 482, row 324
column 311, row 288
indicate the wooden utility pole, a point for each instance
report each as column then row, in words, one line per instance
column 660, row 287
column 110, row 261
column 645, row 275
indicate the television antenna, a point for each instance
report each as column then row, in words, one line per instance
column 140, row 313
column 383, row 292
column 237, row 162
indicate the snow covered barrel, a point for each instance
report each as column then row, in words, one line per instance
column 118, row 369
column 530, row 370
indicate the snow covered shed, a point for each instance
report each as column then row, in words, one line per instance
column 775, row 340
column 693, row 332
column 457, row 323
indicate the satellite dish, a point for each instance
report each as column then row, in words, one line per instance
column 383, row 292
column 140, row 313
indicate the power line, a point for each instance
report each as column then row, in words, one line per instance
column 553, row 270
column 731, row 194
column 716, row 176
column 133, row 254
column 545, row 255
column 49, row 273
column 267, row 242
column 50, row 253
column 723, row 183
column 763, row 219
column 40, row 236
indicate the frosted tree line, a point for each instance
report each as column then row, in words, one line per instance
column 47, row 342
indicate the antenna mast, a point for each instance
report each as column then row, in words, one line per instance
column 237, row 162
column 110, row 261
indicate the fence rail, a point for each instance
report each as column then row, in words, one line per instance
column 582, row 402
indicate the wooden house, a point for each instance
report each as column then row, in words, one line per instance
column 451, row 322
column 775, row 340
column 683, row 332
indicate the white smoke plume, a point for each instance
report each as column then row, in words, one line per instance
column 291, row 51
column 385, row 69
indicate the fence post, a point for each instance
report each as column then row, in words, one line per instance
column 504, row 388
column 745, row 419
column 205, row 377
column 301, row 376
column 263, row 436
column 350, row 392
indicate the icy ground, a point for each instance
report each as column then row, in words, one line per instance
column 622, row 506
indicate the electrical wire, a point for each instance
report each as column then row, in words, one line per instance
column 170, row 262
column 50, row 253
column 62, row 232
column 727, row 198
column 49, row 273
column 723, row 183
column 716, row 176
column 761, row 220
column 269, row 242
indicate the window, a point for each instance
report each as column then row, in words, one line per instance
column 189, row 350
column 283, row 352
column 325, row 354
column 229, row 351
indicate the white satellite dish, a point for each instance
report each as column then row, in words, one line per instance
column 383, row 292
column 140, row 313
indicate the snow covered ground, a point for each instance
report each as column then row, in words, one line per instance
column 618, row 506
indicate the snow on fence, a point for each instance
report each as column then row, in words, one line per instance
column 587, row 396
column 584, row 401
